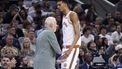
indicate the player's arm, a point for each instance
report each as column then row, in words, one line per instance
column 74, row 19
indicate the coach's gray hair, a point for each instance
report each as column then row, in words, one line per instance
column 49, row 20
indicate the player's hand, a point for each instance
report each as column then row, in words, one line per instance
column 59, row 61
column 66, row 54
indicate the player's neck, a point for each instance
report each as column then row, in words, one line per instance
column 66, row 11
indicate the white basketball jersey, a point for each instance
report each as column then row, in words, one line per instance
column 68, row 30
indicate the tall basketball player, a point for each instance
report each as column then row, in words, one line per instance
column 71, row 35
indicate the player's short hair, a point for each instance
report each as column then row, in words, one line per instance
column 65, row 1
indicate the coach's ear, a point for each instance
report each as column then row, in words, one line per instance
column 51, row 25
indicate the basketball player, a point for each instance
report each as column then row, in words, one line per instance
column 71, row 35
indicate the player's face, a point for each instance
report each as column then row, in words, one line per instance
column 60, row 5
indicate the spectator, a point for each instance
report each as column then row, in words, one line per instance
column 13, row 10
column 79, row 10
column 87, row 61
column 32, row 37
column 23, row 14
column 36, row 11
column 117, row 34
column 31, row 9
column 8, row 52
column 118, row 48
column 9, row 47
column 38, row 22
column 93, row 49
column 114, row 62
column 111, row 25
column 117, row 16
column 98, row 20
column 82, row 53
column 82, row 25
column 11, row 31
column 103, row 34
column 108, row 16
column 98, row 41
column 106, row 50
column 98, row 27
column 7, row 62
column 105, row 43
column 91, row 14
column 25, row 63
column 120, row 60
column 26, row 50
column 87, row 36
column 15, row 31
column 26, row 27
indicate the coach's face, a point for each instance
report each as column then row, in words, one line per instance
column 54, row 27
column 60, row 5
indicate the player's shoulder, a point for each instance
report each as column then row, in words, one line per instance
column 73, row 13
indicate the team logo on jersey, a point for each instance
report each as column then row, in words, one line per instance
column 64, row 24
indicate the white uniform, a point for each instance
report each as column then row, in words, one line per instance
column 68, row 38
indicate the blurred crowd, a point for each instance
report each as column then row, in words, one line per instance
column 20, row 25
